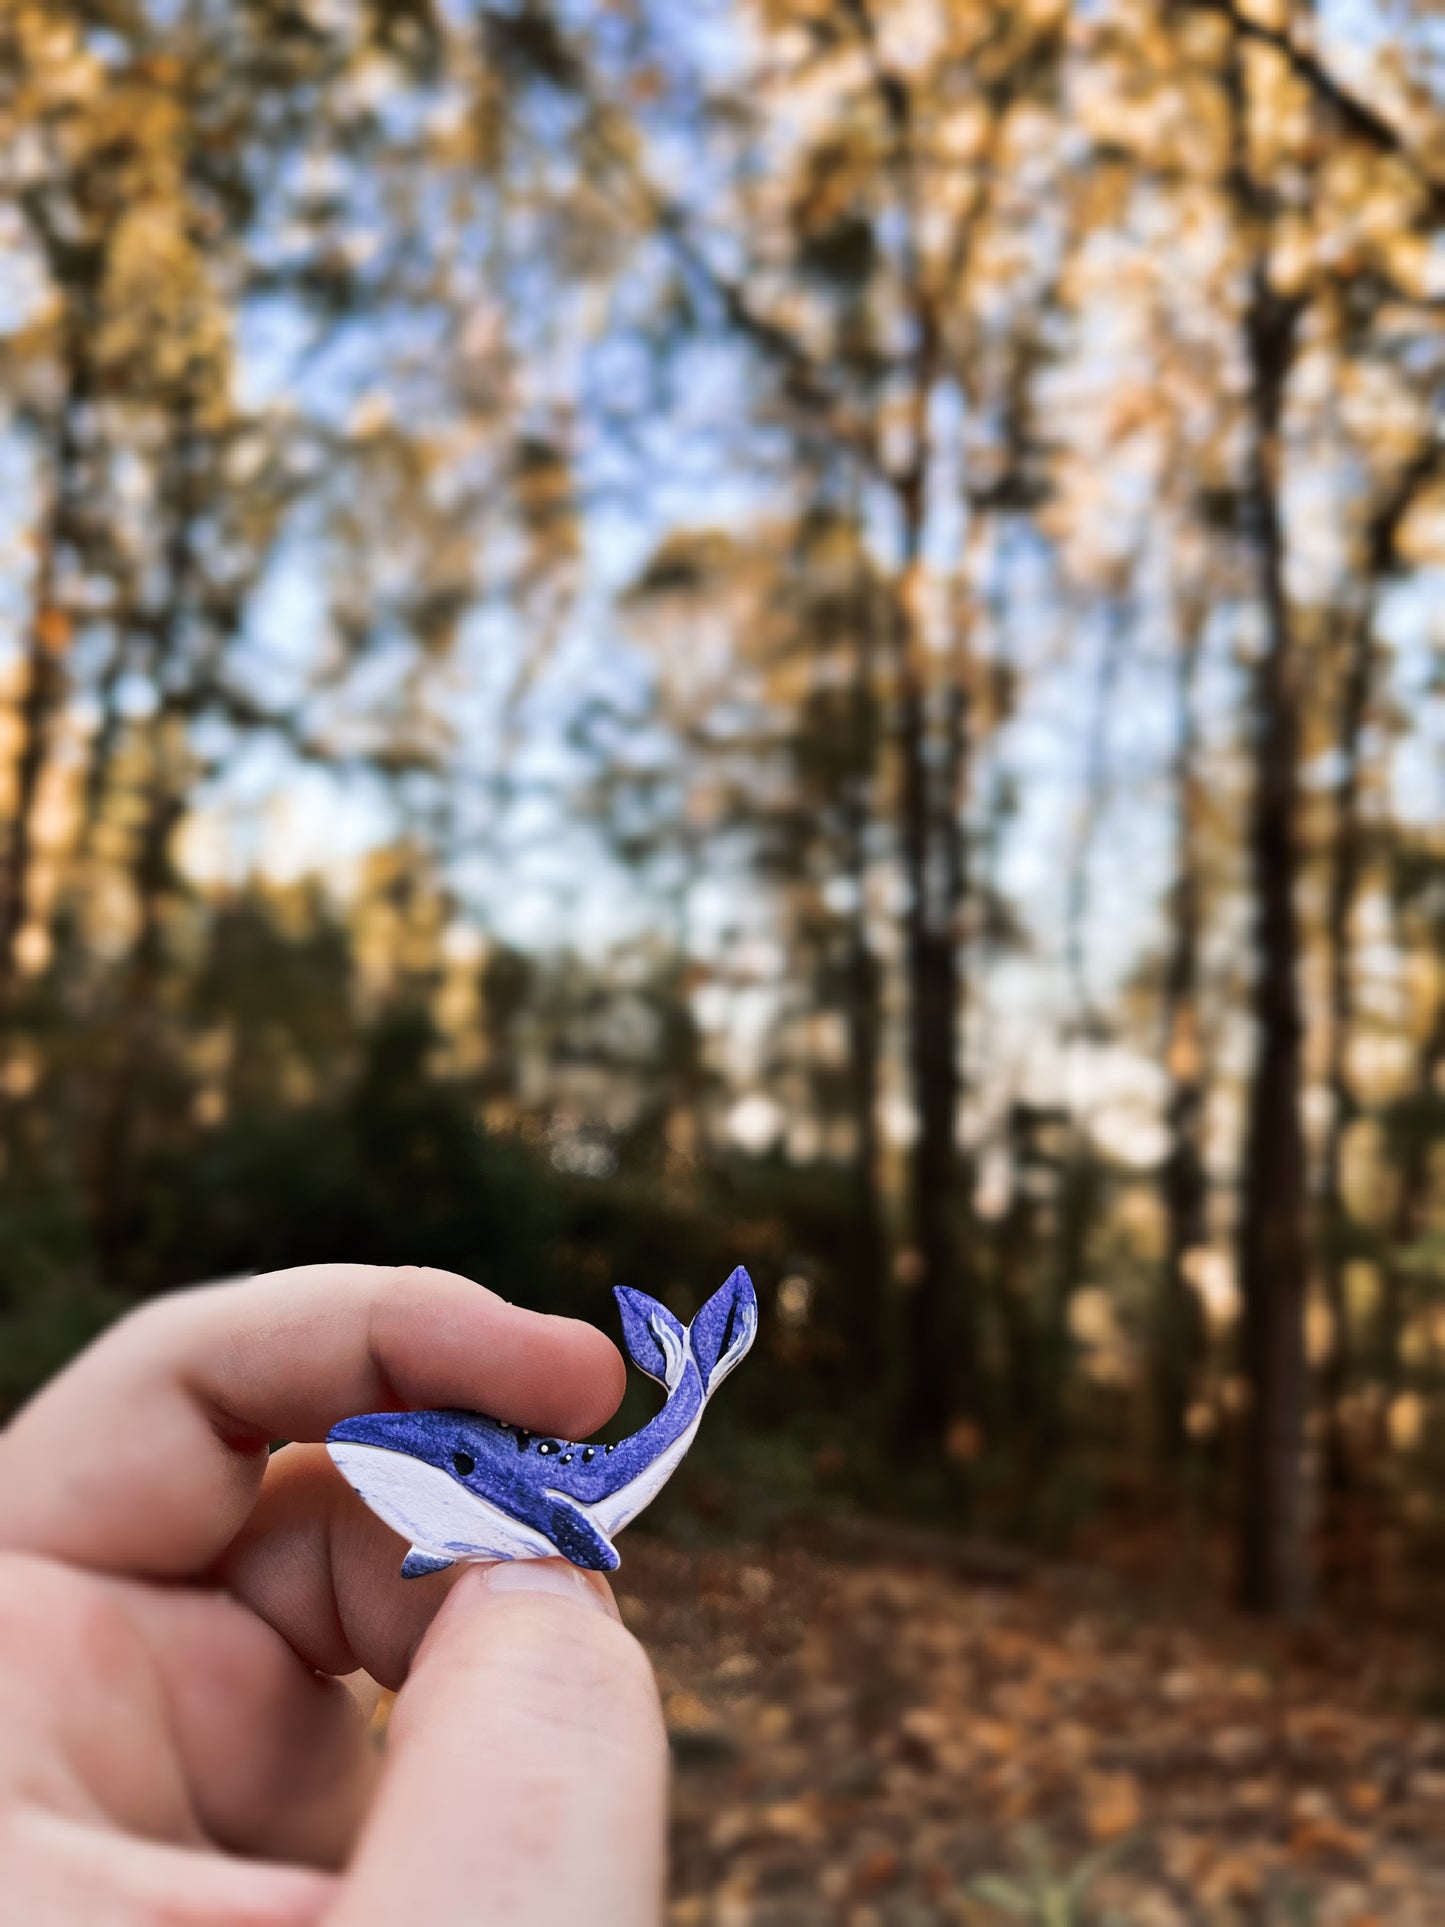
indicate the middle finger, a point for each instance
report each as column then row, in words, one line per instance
column 277, row 1759
column 322, row 1569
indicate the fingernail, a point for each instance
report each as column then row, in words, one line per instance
column 553, row 1576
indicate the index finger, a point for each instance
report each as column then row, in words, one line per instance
column 146, row 1454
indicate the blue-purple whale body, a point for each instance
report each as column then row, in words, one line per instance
column 459, row 1485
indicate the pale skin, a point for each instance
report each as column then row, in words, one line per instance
column 177, row 1608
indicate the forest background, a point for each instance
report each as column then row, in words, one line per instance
column 789, row 631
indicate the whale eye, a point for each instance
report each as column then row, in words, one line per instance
column 465, row 1464
column 589, row 1453
column 547, row 1446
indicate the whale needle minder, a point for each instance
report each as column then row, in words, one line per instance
column 460, row 1486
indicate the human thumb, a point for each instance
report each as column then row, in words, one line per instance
column 526, row 1775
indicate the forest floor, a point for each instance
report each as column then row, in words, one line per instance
column 880, row 1741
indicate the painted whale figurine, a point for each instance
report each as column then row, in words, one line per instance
column 460, row 1486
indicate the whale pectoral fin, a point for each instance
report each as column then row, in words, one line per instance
column 417, row 1564
column 578, row 1539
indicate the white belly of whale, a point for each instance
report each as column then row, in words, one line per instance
column 431, row 1510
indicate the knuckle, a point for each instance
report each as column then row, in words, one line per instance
column 157, row 1318
column 412, row 1279
column 54, row 1618
column 34, row 1592
column 398, row 1293
column 153, row 1335
column 409, row 1289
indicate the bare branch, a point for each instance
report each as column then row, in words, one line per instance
column 1358, row 117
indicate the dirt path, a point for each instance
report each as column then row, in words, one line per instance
column 888, row 1744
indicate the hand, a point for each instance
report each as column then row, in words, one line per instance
column 176, row 1605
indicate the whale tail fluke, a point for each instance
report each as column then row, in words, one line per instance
column 724, row 1329
column 718, row 1338
column 656, row 1343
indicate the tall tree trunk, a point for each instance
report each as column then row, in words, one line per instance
column 938, row 1376
column 1274, row 1563
column 43, row 675
column 940, row 1373
column 1184, row 1181
column 1078, row 1193
column 936, row 1342
column 938, row 1362
column 1345, row 862
column 1274, row 1568
column 114, row 1152
column 947, row 937
column 929, row 1377
column 1356, row 699
column 101, row 750
column 1014, row 1251
column 1412, row 1197
column 864, row 993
